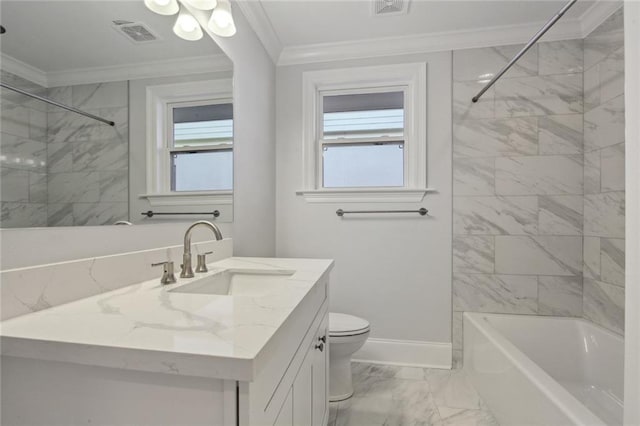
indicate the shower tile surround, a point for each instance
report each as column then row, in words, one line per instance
column 538, row 174
column 60, row 168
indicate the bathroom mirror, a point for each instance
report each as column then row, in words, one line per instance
column 168, row 155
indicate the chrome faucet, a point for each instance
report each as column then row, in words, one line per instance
column 187, row 269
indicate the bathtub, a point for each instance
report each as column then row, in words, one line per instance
column 548, row 371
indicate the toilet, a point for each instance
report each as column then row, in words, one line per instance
column 347, row 334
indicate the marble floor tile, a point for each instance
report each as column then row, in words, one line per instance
column 406, row 396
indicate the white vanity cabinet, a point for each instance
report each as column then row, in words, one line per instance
column 83, row 364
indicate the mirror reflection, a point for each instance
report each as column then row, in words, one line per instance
column 109, row 116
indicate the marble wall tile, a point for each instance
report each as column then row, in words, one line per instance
column 495, row 215
column 591, row 258
column 612, row 168
column 611, row 76
column 560, row 57
column 612, row 261
column 37, row 125
column 107, row 155
column 536, row 96
column 71, row 127
column 604, row 125
column 591, row 81
column 515, row 294
column 473, row 254
column 92, row 214
column 560, row 215
column 61, row 94
column 74, row 187
column 456, row 330
column 607, row 38
column 561, row 296
column 22, row 215
column 592, row 172
column 604, row 215
column 464, row 109
column 60, row 157
column 14, row 185
column 21, row 153
column 14, row 119
column 489, row 138
column 560, row 134
column 100, row 95
column 60, row 214
column 37, row 187
column 474, row 176
column 114, row 186
column 544, row 175
column 483, row 63
column 538, row 255
column 604, row 304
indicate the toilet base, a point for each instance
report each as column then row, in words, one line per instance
column 340, row 380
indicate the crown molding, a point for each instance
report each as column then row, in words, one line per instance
column 425, row 43
column 261, row 24
column 167, row 68
column 26, row 71
column 597, row 14
column 451, row 40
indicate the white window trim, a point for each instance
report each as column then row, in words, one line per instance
column 158, row 170
column 413, row 77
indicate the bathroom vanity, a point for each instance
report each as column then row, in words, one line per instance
column 243, row 344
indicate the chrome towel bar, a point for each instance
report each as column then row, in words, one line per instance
column 151, row 213
column 421, row 211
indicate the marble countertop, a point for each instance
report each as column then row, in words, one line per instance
column 147, row 327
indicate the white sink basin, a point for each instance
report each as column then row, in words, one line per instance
column 237, row 282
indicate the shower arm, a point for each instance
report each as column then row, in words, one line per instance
column 530, row 44
column 58, row 104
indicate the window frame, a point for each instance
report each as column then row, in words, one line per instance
column 158, row 161
column 412, row 78
column 170, row 149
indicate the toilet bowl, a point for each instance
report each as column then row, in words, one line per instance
column 347, row 334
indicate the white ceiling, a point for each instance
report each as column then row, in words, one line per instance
column 299, row 22
column 56, row 36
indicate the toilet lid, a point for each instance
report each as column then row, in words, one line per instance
column 346, row 325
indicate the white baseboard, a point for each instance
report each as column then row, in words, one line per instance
column 406, row 353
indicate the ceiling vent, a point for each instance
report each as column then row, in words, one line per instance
column 390, row 7
column 136, row 32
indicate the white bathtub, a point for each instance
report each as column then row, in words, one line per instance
column 548, row 371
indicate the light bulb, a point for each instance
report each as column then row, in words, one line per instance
column 187, row 27
column 163, row 7
column 221, row 22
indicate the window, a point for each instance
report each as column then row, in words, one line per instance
column 189, row 132
column 201, row 146
column 362, row 140
column 365, row 134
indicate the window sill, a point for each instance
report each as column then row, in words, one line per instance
column 189, row 198
column 373, row 195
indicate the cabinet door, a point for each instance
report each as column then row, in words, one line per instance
column 303, row 391
column 285, row 417
column 321, row 373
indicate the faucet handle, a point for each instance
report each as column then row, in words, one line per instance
column 202, row 262
column 167, row 272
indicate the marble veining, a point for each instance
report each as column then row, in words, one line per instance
column 474, row 176
column 490, row 138
column 495, row 215
column 516, row 294
column 539, row 255
column 544, row 175
column 560, row 296
column 473, row 254
column 560, row 134
column 604, row 304
column 560, row 215
column 147, row 327
column 395, row 396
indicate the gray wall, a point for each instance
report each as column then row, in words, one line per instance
column 518, row 183
column 604, row 188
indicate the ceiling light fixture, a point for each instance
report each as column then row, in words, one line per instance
column 163, row 7
column 202, row 4
column 187, row 26
column 221, row 22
